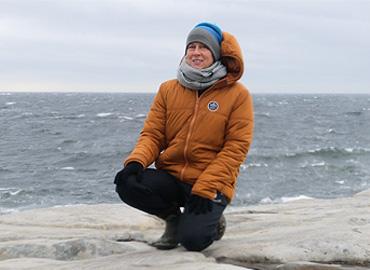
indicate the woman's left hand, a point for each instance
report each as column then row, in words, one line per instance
column 199, row 205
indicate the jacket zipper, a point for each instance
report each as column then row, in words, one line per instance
column 188, row 136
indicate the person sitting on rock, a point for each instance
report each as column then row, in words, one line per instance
column 198, row 132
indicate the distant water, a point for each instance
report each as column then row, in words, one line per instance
column 65, row 148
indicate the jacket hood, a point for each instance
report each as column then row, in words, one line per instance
column 232, row 58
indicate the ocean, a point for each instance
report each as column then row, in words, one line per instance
column 65, row 148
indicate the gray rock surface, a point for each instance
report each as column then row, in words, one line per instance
column 300, row 235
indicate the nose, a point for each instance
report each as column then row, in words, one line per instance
column 196, row 50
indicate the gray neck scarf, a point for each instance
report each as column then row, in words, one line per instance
column 200, row 79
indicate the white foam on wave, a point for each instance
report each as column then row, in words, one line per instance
column 243, row 167
column 335, row 149
column 297, row 198
column 356, row 150
column 103, row 114
column 263, row 114
column 283, row 102
column 268, row 200
column 67, row 168
column 10, row 191
column 10, row 103
column 13, row 193
column 4, row 211
column 318, row 164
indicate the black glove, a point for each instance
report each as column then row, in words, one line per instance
column 199, row 205
column 132, row 168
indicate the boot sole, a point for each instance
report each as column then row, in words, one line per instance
column 221, row 227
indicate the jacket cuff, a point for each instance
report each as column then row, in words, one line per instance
column 204, row 193
column 127, row 161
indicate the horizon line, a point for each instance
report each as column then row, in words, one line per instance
column 154, row 92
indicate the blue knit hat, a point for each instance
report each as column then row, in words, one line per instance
column 210, row 35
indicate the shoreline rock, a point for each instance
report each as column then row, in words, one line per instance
column 300, row 235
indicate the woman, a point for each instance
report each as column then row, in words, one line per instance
column 198, row 132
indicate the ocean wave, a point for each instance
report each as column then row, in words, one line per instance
column 6, row 193
column 67, row 169
column 267, row 115
column 329, row 151
column 102, row 115
column 333, row 167
column 5, row 211
column 268, row 200
column 4, row 170
column 27, row 114
column 314, row 164
column 340, row 182
column 68, row 141
column 243, row 167
column 318, row 164
column 334, row 132
column 68, row 117
column 82, row 159
column 316, row 153
column 283, row 102
column 77, row 116
column 140, row 115
column 354, row 113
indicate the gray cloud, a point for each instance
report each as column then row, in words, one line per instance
column 289, row 46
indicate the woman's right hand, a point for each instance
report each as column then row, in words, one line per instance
column 132, row 168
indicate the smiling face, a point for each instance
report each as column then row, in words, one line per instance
column 198, row 56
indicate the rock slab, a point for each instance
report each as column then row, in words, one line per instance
column 301, row 235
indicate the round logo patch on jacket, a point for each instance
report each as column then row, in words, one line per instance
column 213, row 106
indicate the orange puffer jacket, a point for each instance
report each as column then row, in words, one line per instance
column 202, row 140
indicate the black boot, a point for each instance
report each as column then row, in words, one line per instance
column 221, row 227
column 169, row 239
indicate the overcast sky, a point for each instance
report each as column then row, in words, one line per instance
column 291, row 46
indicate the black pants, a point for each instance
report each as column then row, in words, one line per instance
column 161, row 194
